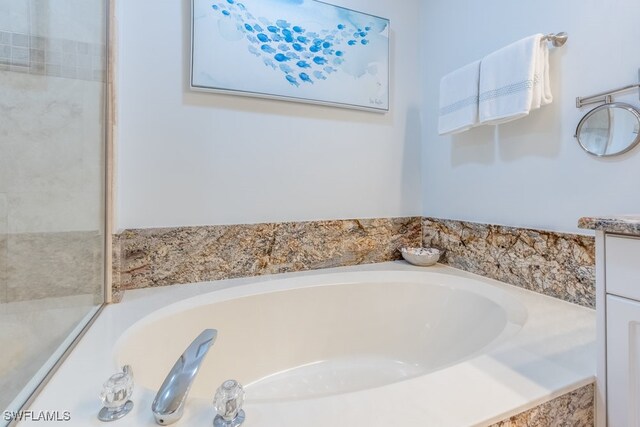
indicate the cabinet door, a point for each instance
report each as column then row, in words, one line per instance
column 623, row 362
column 623, row 266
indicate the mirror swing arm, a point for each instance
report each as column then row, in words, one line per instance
column 608, row 105
column 606, row 97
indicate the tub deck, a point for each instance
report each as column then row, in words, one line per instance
column 553, row 354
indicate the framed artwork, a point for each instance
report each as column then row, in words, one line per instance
column 296, row 50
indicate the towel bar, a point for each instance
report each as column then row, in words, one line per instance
column 558, row 39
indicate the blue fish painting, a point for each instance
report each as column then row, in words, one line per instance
column 292, row 80
column 305, row 77
column 315, row 50
column 319, row 60
column 263, row 38
column 286, row 69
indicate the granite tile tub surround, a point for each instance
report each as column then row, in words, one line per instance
column 168, row 256
column 556, row 264
column 575, row 409
column 620, row 224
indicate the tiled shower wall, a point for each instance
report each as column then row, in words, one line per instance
column 47, row 56
column 51, row 193
column 52, row 73
column 52, row 97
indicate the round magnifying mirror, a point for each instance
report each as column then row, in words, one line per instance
column 609, row 129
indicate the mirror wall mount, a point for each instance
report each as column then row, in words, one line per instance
column 609, row 129
column 606, row 97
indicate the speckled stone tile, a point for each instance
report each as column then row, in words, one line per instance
column 555, row 264
column 169, row 256
column 622, row 224
column 46, row 265
column 575, row 409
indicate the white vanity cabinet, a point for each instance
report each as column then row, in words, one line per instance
column 623, row 361
column 618, row 307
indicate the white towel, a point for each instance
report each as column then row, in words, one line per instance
column 514, row 81
column 459, row 99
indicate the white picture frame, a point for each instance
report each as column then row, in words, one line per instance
column 294, row 50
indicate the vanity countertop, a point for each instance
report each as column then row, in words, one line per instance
column 623, row 224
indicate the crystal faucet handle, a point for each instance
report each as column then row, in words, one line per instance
column 116, row 395
column 228, row 403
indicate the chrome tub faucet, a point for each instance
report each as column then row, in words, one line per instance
column 168, row 405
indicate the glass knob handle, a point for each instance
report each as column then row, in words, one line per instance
column 228, row 403
column 116, row 395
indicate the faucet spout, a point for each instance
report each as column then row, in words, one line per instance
column 168, row 405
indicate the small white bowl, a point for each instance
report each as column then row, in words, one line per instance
column 423, row 257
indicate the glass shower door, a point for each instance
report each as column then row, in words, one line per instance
column 52, row 168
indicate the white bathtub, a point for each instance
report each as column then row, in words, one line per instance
column 343, row 334
column 368, row 346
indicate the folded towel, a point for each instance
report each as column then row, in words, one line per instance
column 459, row 99
column 514, row 81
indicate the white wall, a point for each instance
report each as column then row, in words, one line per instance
column 187, row 158
column 530, row 172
